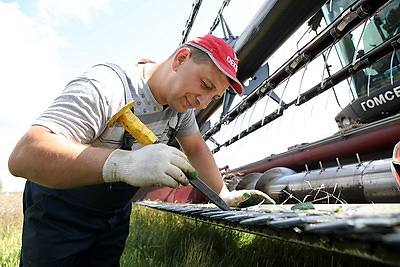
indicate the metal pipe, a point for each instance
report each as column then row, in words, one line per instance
column 355, row 183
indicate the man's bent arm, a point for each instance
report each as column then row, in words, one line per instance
column 54, row 161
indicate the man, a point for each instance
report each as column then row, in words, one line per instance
column 82, row 174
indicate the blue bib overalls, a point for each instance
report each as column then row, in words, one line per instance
column 86, row 226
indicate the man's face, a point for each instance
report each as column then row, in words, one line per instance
column 196, row 85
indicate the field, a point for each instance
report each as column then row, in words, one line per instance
column 162, row 239
column 10, row 228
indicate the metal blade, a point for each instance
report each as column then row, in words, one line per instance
column 208, row 192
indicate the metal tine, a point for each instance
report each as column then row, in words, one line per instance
column 206, row 210
column 240, row 217
column 223, row 214
column 209, row 214
column 191, row 210
column 228, row 213
column 185, row 208
column 300, row 222
column 333, row 227
column 170, row 207
column 263, row 219
column 374, row 224
column 177, row 207
column 149, row 204
column 392, row 239
column 374, row 229
column 260, row 220
column 146, row 204
column 156, row 206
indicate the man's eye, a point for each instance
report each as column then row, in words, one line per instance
column 205, row 86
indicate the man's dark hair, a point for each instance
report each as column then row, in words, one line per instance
column 198, row 56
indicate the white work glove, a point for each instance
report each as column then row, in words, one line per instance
column 244, row 198
column 152, row 165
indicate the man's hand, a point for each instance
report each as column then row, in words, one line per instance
column 152, row 165
column 244, row 198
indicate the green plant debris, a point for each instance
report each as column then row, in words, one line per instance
column 303, row 206
column 337, row 209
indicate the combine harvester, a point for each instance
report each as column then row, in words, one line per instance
column 339, row 191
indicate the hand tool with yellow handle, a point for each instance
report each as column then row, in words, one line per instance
column 145, row 136
column 133, row 125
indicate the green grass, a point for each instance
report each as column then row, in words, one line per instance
column 10, row 238
column 160, row 238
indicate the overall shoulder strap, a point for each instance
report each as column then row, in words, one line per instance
column 173, row 132
column 127, row 139
column 121, row 74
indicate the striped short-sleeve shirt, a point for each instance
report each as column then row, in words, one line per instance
column 81, row 111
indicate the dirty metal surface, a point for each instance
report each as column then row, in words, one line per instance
column 370, row 231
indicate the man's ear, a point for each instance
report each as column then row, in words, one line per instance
column 181, row 56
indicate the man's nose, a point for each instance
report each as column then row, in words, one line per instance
column 204, row 100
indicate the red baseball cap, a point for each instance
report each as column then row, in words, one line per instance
column 223, row 56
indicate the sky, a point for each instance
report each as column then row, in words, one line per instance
column 46, row 43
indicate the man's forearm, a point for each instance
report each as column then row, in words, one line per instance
column 208, row 171
column 54, row 161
